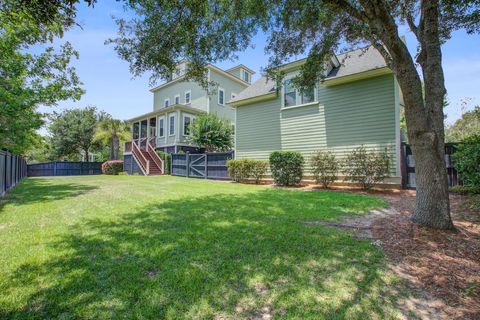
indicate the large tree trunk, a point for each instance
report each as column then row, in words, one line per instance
column 424, row 117
column 116, row 147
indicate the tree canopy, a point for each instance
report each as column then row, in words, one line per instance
column 28, row 80
column 468, row 125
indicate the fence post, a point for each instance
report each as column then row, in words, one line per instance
column 206, row 165
column 55, row 169
column 187, row 165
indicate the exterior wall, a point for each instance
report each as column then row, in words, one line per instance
column 235, row 72
column 230, row 86
column 198, row 96
column 347, row 116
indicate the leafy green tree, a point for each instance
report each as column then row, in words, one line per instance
column 468, row 125
column 73, row 131
column 40, row 151
column 467, row 161
column 212, row 133
column 164, row 32
column 111, row 132
column 29, row 80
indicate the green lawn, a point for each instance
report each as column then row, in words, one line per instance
column 167, row 247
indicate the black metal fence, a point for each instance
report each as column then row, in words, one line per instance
column 408, row 166
column 13, row 168
column 201, row 165
column 64, row 169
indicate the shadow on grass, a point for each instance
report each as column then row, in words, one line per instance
column 222, row 256
column 38, row 190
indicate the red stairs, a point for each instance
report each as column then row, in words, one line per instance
column 154, row 169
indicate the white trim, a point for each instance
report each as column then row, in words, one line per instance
column 165, row 104
column 218, row 96
column 242, row 75
column 398, row 143
column 171, row 115
column 175, row 99
column 300, row 105
column 185, row 97
column 185, row 115
column 164, row 127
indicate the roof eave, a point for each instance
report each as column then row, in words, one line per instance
column 266, row 96
column 357, row 76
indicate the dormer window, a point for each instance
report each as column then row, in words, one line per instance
column 246, row 76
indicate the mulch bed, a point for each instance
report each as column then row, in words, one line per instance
column 445, row 265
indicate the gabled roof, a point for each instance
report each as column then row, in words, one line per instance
column 345, row 64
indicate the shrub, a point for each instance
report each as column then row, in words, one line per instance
column 167, row 160
column 467, row 161
column 241, row 170
column 367, row 168
column 112, row 167
column 325, row 167
column 286, row 167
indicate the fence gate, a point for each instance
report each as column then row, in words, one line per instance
column 201, row 165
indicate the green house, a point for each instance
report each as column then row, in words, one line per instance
column 357, row 103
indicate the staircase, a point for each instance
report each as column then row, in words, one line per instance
column 147, row 159
column 154, row 169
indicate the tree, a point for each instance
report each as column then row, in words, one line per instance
column 110, row 132
column 212, row 133
column 468, row 125
column 316, row 28
column 28, row 80
column 41, row 151
column 73, row 131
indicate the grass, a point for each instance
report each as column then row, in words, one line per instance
column 166, row 247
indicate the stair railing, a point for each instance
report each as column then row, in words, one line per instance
column 143, row 163
column 155, row 157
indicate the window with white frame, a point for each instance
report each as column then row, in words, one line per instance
column 166, row 103
column 221, row 96
column 188, row 97
column 177, row 99
column 187, row 122
column 294, row 97
column 161, row 126
column 245, row 76
column 171, row 125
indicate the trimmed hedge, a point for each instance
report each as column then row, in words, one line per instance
column 241, row 170
column 167, row 160
column 112, row 167
column 286, row 167
column 467, row 161
column 367, row 168
column 324, row 167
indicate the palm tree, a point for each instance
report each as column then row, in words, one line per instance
column 112, row 131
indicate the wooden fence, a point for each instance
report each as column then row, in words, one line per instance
column 13, row 168
column 64, row 169
column 201, row 165
column 408, row 166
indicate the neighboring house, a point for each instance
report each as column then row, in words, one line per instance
column 176, row 103
column 358, row 103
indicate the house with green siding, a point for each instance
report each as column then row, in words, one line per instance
column 357, row 103
column 176, row 103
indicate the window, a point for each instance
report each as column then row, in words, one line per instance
column 166, row 103
column 171, row 125
column 177, row 99
column 246, row 76
column 153, row 127
column 187, row 121
column 136, row 128
column 221, row 96
column 289, row 96
column 161, row 126
column 188, row 97
column 294, row 97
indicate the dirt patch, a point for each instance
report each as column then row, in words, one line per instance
column 442, row 269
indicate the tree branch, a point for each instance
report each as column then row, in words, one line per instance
column 349, row 9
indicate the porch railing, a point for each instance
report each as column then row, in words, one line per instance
column 155, row 157
column 144, row 164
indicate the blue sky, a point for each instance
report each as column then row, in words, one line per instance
column 110, row 87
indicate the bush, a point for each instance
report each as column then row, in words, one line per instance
column 241, row 170
column 286, row 167
column 167, row 160
column 467, row 161
column 112, row 167
column 367, row 168
column 324, row 167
